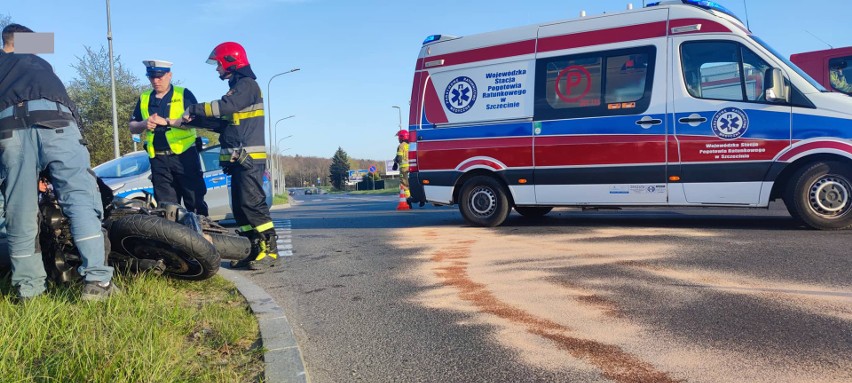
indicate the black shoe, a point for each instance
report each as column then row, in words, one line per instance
column 268, row 255
column 422, row 203
column 260, row 264
column 98, row 291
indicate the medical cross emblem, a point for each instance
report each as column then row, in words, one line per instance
column 460, row 95
column 730, row 123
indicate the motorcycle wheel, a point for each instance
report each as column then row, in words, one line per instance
column 186, row 253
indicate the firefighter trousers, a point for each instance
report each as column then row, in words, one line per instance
column 248, row 200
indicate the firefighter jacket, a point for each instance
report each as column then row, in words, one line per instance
column 402, row 156
column 242, row 107
column 179, row 139
column 838, row 81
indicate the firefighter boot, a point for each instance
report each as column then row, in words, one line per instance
column 253, row 254
column 268, row 256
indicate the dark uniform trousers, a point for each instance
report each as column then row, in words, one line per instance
column 178, row 177
column 248, row 200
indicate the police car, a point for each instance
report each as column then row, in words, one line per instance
column 129, row 176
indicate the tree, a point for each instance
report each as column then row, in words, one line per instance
column 339, row 168
column 4, row 21
column 91, row 91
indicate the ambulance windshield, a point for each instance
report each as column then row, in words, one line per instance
column 790, row 64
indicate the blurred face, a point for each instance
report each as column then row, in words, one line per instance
column 161, row 84
column 221, row 71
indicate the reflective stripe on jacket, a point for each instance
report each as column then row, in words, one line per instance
column 179, row 139
column 242, row 107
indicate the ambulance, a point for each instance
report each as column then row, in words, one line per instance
column 673, row 104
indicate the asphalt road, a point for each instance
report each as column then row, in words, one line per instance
column 642, row 295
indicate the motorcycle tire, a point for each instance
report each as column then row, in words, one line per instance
column 185, row 252
column 230, row 246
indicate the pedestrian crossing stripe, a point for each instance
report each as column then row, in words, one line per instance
column 285, row 239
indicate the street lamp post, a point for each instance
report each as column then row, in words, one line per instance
column 269, row 113
column 273, row 162
column 400, row 115
column 278, row 171
column 112, row 81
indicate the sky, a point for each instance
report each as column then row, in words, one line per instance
column 356, row 57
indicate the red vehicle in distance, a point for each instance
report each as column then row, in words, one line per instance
column 821, row 64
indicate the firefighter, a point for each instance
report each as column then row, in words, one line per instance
column 400, row 162
column 838, row 79
column 243, row 151
column 175, row 165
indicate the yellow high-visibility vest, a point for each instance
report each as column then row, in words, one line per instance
column 179, row 139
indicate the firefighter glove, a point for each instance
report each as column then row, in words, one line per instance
column 242, row 158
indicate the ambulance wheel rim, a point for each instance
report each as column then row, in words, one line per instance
column 483, row 201
column 829, row 196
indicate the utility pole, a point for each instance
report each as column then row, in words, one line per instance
column 112, row 80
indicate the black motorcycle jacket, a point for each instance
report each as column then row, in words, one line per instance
column 26, row 77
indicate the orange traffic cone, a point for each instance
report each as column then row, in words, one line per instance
column 403, row 203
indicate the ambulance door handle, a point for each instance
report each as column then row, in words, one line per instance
column 693, row 120
column 647, row 122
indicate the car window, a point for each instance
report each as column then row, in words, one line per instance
column 605, row 83
column 723, row 70
column 127, row 166
column 210, row 159
column 840, row 74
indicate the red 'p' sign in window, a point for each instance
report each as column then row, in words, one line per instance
column 575, row 77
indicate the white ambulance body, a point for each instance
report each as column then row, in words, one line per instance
column 674, row 104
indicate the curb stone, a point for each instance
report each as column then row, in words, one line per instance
column 282, row 360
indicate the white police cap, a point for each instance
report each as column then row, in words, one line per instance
column 157, row 68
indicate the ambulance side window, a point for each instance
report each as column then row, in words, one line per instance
column 723, row 70
column 594, row 84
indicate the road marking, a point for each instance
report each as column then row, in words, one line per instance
column 285, row 237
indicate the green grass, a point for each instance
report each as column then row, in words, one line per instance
column 280, row 199
column 156, row 330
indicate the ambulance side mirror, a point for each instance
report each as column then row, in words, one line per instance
column 776, row 87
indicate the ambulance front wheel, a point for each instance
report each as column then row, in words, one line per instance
column 484, row 202
column 820, row 195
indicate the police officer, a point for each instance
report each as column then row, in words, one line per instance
column 243, row 151
column 171, row 146
column 39, row 131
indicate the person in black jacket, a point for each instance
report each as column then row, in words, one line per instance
column 243, row 151
column 39, row 131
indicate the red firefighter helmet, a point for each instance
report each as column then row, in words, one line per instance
column 230, row 55
column 403, row 134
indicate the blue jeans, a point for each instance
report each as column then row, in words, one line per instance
column 23, row 152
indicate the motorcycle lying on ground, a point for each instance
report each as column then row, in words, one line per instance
column 139, row 237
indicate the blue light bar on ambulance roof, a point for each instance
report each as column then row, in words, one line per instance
column 431, row 39
column 706, row 4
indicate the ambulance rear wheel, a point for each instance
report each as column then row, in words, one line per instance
column 484, row 202
column 533, row 211
column 820, row 195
